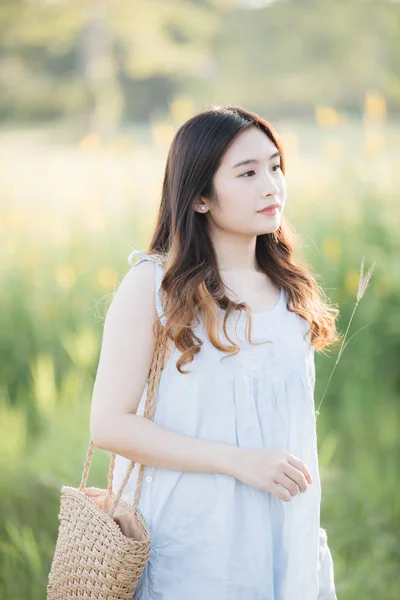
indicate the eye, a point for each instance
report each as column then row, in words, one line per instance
column 276, row 167
column 247, row 173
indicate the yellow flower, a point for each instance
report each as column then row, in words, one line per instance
column 181, row 109
column 374, row 140
column 65, row 276
column 327, row 116
column 90, row 142
column 375, row 105
column 106, row 278
column 44, row 386
column 13, row 432
column 122, row 144
column 351, row 281
column 331, row 248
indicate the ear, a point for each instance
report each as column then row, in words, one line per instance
column 201, row 207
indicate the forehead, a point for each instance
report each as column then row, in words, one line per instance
column 251, row 143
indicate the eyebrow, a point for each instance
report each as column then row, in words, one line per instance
column 254, row 160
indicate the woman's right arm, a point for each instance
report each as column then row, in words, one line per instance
column 125, row 358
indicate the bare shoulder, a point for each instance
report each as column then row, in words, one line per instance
column 126, row 350
column 134, row 299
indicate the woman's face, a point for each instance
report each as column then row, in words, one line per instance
column 244, row 189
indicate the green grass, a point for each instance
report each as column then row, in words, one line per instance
column 57, row 275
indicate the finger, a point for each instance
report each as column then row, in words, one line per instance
column 290, row 485
column 299, row 464
column 297, row 476
column 281, row 492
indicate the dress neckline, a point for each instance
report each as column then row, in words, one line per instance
column 264, row 313
column 271, row 310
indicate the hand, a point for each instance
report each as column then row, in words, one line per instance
column 265, row 469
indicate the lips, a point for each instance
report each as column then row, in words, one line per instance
column 270, row 207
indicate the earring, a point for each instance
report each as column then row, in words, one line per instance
column 203, row 207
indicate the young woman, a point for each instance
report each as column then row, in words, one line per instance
column 231, row 489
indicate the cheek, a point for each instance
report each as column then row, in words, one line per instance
column 232, row 198
column 233, row 212
column 236, row 205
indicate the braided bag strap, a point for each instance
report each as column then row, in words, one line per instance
column 149, row 409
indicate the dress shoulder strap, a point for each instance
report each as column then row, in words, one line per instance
column 160, row 260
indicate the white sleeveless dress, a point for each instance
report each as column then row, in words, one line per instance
column 213, row 537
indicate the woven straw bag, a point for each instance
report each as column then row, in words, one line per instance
column 103, row 544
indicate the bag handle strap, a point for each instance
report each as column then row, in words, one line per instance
column 149, row 409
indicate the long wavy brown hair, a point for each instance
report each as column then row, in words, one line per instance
column 192, row 286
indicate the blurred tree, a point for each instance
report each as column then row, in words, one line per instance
column 290, row 56
column 76, row 56
column 106, row 60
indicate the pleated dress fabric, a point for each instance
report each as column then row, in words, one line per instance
column 214, row 537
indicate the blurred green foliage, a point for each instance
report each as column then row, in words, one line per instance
column 77, row 194
column 97, row 63
column 58, row 274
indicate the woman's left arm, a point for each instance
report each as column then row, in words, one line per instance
column 326, row 570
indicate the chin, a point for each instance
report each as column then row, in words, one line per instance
column 271, row 229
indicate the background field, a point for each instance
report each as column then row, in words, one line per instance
column 80, row 185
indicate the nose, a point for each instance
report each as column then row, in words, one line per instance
column 269, row 187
